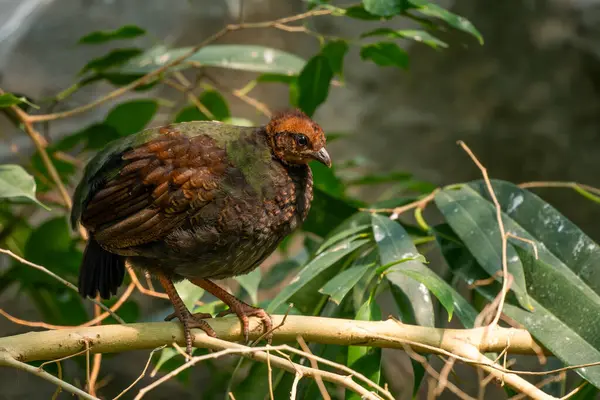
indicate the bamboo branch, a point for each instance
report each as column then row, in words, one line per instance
column 47, row 345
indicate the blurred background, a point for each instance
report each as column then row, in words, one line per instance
column 527, row 102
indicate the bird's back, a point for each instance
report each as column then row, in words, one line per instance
column 199, row 199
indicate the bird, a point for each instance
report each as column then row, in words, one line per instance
column 200, row 201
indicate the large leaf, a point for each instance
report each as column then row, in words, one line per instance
column 384, row 8
column 189, row 293
column 385, row 54
column 9, row 99
column 335, row 51
column 124, row 32
column 565, row 315
column 456, row 21
column 416, row 35
column 17, row 185
column 326, row 213
column 132, row 116
column 317, row 265
column 364, row 359
column 214, row 103
column 338, row 287
column 313, row 83
column 239, row 57
column 395, row 244
column 448, row 297
column 473, row 219
column 113, row 59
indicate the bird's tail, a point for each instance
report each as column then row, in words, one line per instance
column 101, row 271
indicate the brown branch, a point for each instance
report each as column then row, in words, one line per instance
column 315, row 365
column 155, row 73
column 504, row 244
column 396, row 212
column 96, row 320
column 557, row 184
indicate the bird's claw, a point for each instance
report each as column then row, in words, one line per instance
column 189, row 322
column 243, row 311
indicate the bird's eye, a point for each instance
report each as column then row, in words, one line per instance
column 302, row 140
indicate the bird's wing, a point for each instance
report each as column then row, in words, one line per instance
column 147, row 191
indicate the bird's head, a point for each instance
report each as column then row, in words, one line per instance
column 296, row 139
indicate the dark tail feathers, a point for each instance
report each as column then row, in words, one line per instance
column 101, row 271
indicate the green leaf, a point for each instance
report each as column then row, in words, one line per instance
column 335, row 50
column 326, row 180
column 113, row 59
column 124, row 32
column 359, row 12
column 280, row 78
column 448, row 297
column 326, row 213
column 416, row 35
column 385, row 54
column 352, row 231
column 313, row 83
column 17, row 185
column 317, row 265
column 9, row 99
column 342, row 283
column 363, row 359
column 131, row 117
column 455, row 21
column 394, row 244
column 565, row 320
column 250, row 283
column 14, row 233
column 94, row 137
column 189, row 293
column 190, row 113
column 384, row 8
column 473, row 219
column 213, row 101
column 238, row 57
column 216, row 104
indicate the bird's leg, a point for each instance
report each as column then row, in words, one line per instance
column 241, row 309
column 188, row 320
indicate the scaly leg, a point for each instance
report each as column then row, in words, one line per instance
column 184, row 315
column 241, row 309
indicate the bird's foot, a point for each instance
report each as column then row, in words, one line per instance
column 243, row 311
column 189, row 322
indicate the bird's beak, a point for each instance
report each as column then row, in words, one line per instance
column 322, row 156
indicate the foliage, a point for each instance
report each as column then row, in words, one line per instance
column 348, row 257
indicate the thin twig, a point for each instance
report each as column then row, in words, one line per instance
column 7, row 360
column 504, row 244
column 574, row 391
column 297, row 378
column 557, row 184
column 315, row 365
column 270, row 374
column 62, row 280
column 99, row 318
column 396, row 212
column 258, row 353
column 157, row 72
column 40, row 144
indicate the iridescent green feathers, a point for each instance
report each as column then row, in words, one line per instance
column 245, row 151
